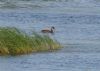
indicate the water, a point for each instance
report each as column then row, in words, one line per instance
column 52, row 62
column 77, row 24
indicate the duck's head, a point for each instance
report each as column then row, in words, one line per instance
column 52, row 27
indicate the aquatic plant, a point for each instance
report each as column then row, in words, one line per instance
column 16, row 42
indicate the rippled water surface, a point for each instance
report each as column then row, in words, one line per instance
column 58, row 61
column 77, row 24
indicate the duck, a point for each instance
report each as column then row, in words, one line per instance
column 48, row 30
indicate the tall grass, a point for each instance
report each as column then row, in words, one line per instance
column 15, row 42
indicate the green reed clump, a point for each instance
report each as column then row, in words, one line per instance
column 15, row 42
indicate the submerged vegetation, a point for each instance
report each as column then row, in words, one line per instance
column 16, row 42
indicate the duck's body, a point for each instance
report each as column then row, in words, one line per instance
column 48, row 30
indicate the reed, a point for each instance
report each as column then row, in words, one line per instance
column 16, row 42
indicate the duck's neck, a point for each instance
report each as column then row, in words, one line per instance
column 52, row 30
